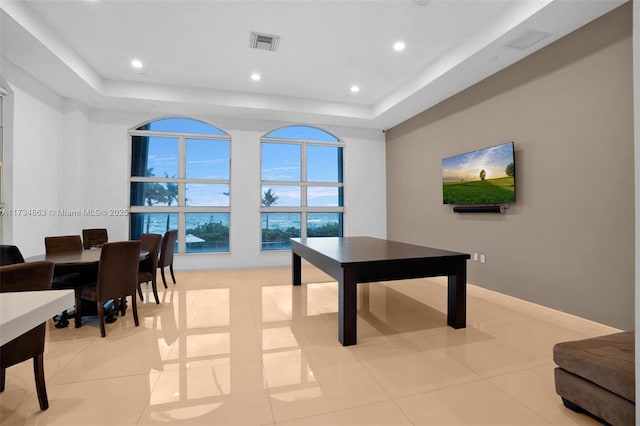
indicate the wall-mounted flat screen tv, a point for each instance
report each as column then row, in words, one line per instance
column 485, row 176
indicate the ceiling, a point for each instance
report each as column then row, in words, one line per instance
column 197, row 60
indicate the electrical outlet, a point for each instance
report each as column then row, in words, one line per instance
column 483, row 258
column 475, row 257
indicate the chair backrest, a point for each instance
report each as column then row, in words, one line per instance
column 94, row 237
column 118, row 269
column 62, row 244
column 25, row 277
column 166, row 252
column 10, row 255
column 150, row 243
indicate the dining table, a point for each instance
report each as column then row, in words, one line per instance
column 85, row 262
column 76, row 258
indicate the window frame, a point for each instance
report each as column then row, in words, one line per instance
column 181, row 209
column 304, row 209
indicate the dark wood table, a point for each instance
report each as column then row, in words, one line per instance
column 72, row 258
column 76, row 258
column 84, row 262
column 352, row 260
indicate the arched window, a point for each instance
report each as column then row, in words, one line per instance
column 180, row 179
column 302, row 187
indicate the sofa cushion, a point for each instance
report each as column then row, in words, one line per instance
column 608, row 361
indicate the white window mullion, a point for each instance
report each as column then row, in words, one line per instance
column 182, row 157
column 182, row 192
column 303, row 192
column 182, row 226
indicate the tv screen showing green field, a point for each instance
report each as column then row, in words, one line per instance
column 486, row 176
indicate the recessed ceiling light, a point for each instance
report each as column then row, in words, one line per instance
column 354, row 89
column 399, row 46
column 255, row 76
column 136, row 63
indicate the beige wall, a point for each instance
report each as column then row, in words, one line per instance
column 568, row 240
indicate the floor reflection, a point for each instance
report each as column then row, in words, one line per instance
column 247, row 347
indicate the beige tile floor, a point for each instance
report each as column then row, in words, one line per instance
column 247, row 348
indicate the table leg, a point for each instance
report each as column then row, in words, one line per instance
column 347, row 307
column 296, row 269
column 457, row 297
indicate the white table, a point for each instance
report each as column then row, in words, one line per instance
column 21, row 311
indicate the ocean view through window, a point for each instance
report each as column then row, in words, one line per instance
column 180, row 179
column 301, row 186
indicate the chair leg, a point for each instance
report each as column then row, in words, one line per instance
column 155, row 290
column 164, row 281
column 2, row 376
column 78, row 315
column 173, row 277
column 134, row 308
column 103, row 332
column 140, row 292
column 38, row 372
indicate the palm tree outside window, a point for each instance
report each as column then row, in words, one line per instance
column 301, row 185
column 180, row 179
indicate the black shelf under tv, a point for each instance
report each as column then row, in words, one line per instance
column 479, row 209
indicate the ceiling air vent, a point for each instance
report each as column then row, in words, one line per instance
column 528, row 39
column 264, row 41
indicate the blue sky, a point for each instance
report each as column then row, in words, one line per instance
column 210, row 159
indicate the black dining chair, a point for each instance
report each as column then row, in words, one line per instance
column 94, row 237
column 30, row 276
column 148, row 267
column 62, row 244
column 166, row 254
column 10, row 255
column 117, row 279
column 68, row 276
column 64, row 276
